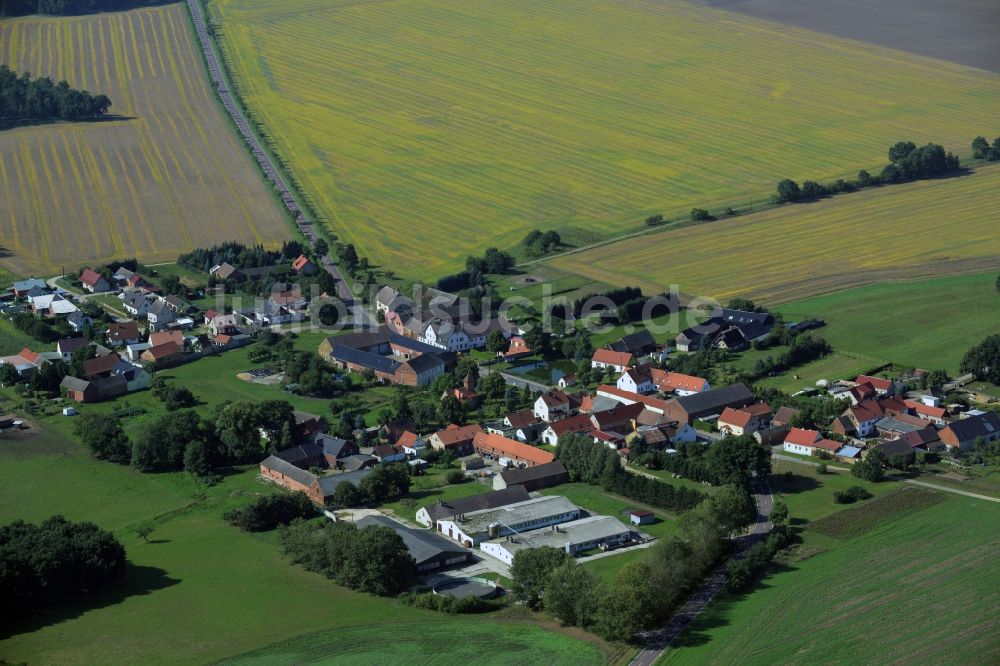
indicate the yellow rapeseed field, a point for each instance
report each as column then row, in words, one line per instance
column 426, row 130
column 168, row 176
column 922, row 229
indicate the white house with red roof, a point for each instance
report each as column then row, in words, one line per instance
column 94, row 282
column 801, row 441
column 744, row 421
column 881, row 386
column 606, row 358
column 552, row 405
column 637, row 380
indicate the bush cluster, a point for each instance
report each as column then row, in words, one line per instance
column 269, row 511
column 22, row 98
column 851, row 495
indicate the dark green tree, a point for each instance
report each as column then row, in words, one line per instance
column 530, row 572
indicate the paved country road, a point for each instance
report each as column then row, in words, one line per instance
column 271, row 172
column 657, row 641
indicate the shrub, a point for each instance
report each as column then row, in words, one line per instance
column 454, row 476
column 700, row 214
column 269, row 511
column 822, row 469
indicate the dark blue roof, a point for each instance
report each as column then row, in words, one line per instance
column 414, row 345
column 364, row 359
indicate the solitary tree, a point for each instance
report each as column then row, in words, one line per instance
column 144, row 530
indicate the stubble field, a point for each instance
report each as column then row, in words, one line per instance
column 916, row 230
column 427, row 130
column 166, row 176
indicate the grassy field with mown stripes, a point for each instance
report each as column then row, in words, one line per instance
column 427, row 130
column 163, row 176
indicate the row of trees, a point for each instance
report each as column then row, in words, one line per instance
column 538, row 244
column 43, row 565
column 595, row 463
column 906, row 162
column 24, row 98
column 68, row 7
column 729, row 460
column 384, row 482
column 802, row 349
column 645, row 591
column 984, row 150
column 983, row 360
column 493, row 262
column 184, row 440
column 372, row 559
column 240, row 255
column 267, row 512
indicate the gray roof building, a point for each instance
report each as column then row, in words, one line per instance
column 429, row 550
column 429, row 515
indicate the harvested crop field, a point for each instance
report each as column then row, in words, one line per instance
column 962, row 31
column 169, row 174
column 426, row 130
column 923, row 229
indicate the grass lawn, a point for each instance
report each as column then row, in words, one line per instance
column 467, row 124
column 202, row 590
column 432, row 488
column 838, row 365
column 449, row 640
column 809, row 495
column 13, row 340
column 597, row 501
column 911, row 589
column 932, row 322
column 607, row 568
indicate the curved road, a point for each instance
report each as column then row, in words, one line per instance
column 263, row 159
column 659, row 640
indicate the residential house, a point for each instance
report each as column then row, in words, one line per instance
column 122, row 333
column 552, row 405
column 390, row 300
column 129, row 280
column 535, row 477
column 159, row 315
column 884, row 387
column 678, row 384
column 163, row 355
column 226, row 271
column 801, row 440
column 517, row 348
column 413, row 445
column 446, row 335
column 751, row 326
column 525, row 425
column 927, row 411
column 925, row 439
column 639, row 345
column 580, row 423
column 69, row 346
column 51, row 306
column 963, row 433
column 891, row 427
column 157, row 339
column 335, row 449
column 78, row 321
column 94, row 282
column 316, row 488
column 606, row 358
column 455, row 438
column 100, row 366
column 21, row 288
column 25, row 362
column 637, row 380
column 500, row 448
column 466, row 393
column 740, row 421
column 618, row 419
column 429, row 515
column 784, row 416
column 136, row 302
column 309, row 424
column 304, row 266
column 387, row 453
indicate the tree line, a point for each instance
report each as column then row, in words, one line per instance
column 68, row 7
column 239, row 255
column 907, row 162
column 646, row 591
column 538, row 243
column 371, row 559
column 984, row 150
column 184, row 440
column 43, row 565
column 24, row 98
column 731, row 459
column 594, row 463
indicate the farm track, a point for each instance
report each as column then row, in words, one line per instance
column 162, row 176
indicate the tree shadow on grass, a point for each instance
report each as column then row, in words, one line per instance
column 719, row 612
column 792, row 484
column 138, row 581
column 35, row 122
